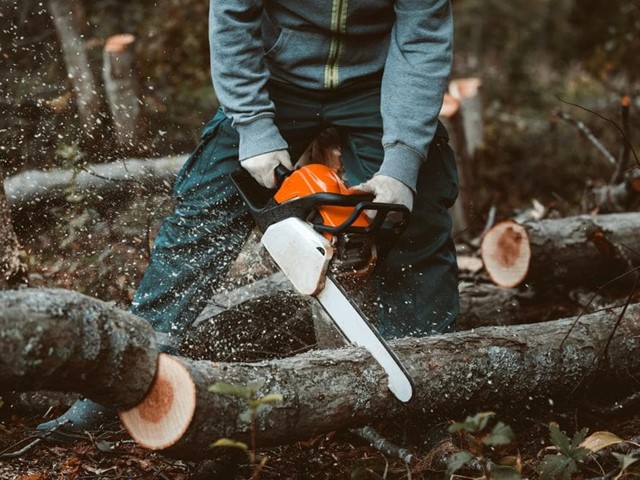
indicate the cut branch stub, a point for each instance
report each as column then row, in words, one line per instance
column 162, row 418
column 506, row 253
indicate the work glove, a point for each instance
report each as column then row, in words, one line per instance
column 262, row 167
column 387, row 190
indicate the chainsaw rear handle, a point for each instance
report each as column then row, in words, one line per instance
column 266, row 211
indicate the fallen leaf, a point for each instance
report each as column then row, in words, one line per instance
column 599, row 440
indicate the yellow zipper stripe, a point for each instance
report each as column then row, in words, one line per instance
column 338, row 27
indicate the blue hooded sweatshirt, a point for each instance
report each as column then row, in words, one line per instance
column 326, row 44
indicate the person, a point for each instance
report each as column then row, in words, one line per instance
column 283, row 71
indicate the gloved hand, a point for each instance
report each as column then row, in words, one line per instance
column 387, row 190
column 262, row 167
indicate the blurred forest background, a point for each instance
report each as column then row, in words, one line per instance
column 532, row 57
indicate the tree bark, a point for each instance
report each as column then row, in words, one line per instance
column 122, row 89
column 494, row 368
column 66, row 341
column 613, row 198
column 462, row 116
column 63, row 13
column 30, row 191
column 580, row 250
column 451, row 118
column 54, row 339
column 13, row 270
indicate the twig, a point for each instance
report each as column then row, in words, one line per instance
column 625, row 153
column 33, row 443
column 628, row 404
column 593, row 297
column 603, row 352
column 607, row 119
column 380, row 443
column 589, row 136
column 26, row 448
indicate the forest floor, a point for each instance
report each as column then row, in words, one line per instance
column 104, row 253
column 337, row 455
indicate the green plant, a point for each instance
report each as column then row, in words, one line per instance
column 479, row 437
column 255, row 405
column 569, row 453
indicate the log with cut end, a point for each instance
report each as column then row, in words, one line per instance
column 54, row 339
column 580, row 250
column 506, row 253
column 122, row 88
column 461, row 114
column 494, row 368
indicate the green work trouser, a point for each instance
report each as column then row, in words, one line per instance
column 416, row 285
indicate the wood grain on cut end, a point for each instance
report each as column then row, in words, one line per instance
column 506, row 253
column 164, row 415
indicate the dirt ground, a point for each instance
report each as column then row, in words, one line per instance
column 110, row 454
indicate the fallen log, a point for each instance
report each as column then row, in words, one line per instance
column 581, row 250
column 34, row 188
column 64, row 340
column 54, row 339
column 497, row 368
column 483, row 305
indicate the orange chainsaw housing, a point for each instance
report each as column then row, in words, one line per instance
column 318, row 178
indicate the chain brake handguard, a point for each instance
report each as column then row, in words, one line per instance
column 266, row 211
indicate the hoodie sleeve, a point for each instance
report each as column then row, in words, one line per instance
column 415, row 78
column 240, row 75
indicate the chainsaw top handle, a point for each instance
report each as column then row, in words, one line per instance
column 266, row 211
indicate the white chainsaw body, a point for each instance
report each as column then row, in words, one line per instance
column 300, row 252
column 304, row 256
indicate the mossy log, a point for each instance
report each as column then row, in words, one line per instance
column 57, row 339
column 503, row 369
column 54, row 339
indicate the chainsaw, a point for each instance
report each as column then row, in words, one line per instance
column 316, row 231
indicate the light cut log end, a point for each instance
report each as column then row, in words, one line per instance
column 164, row 415
column 506, row 253
column 450, row 106
column 119, row 43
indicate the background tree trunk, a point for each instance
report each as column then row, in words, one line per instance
column 64, row 15
column 122, row 90
column 462, row 116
